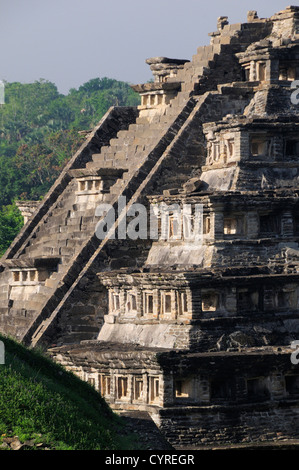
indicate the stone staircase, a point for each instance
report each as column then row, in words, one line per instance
column 63, row 229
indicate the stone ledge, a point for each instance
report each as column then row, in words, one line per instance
column 40, row 262
column 152, row 87
column 104, row 172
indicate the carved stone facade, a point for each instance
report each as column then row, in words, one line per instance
column 197, row 332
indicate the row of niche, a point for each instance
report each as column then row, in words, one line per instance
column 261, row 225
column 28, row 276
column 243, row 300
column 155, row 303
column 173, row 228
column 225, row 148
column 249, row 388
column 144, row 388
column 149, row 389
column 264, row 70
column 173, row 304
column 215, row 225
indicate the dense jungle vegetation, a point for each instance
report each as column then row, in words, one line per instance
column 39, row 133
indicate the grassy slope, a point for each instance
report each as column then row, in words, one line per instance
column 41, row 400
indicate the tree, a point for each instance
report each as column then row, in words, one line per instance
column 11, row 222
column 39, row 134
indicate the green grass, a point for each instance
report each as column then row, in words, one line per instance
column 40, row 400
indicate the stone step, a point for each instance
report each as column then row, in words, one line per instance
column 75, row 221
column 64, row 251
column 21, row 317
column 126, row 136
column 34, row 304
column 137, row 138
column 51, row 282
column 115, row 157
column 56, row 276
column 62, row 208
column 77, row 235
column 45, row 290
column 48, row 229
column 45, row 245
column 68, row 228
column 41, row 250
column 4, row 289
column 74, row 243
column 3, row 299
column 31, row 313
column 97, row 165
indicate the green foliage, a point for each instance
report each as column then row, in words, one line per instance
column 39, row 134
column 40, row 400
column 11, row 223
column 36, row 166
column 95, row 97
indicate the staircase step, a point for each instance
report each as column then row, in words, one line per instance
column 51, row 283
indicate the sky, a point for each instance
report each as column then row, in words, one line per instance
column 69, row 42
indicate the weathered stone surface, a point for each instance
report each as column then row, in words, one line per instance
column 195, row 332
